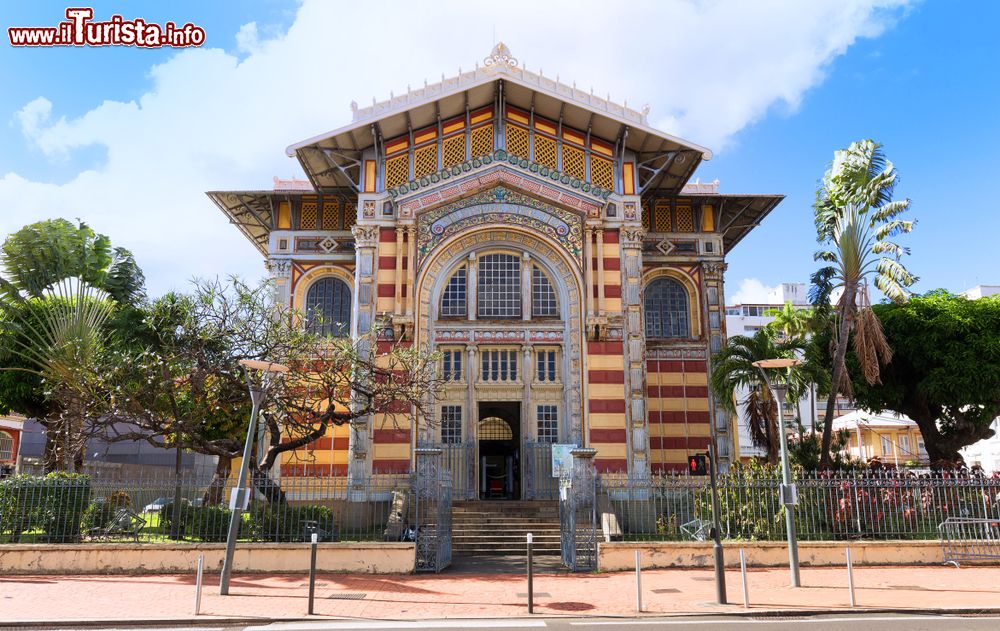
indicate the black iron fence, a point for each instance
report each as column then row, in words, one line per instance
column 849, row 505
column 73, row 509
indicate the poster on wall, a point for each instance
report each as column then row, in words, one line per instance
column 562, row 460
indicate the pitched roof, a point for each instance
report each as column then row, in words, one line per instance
column 329, row 159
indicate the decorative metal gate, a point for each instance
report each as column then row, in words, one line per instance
column 432, row 534
column 578, row 514
column 537, row 466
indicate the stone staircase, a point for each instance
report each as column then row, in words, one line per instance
column 498, row 528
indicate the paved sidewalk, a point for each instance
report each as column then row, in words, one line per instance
column 470, row 595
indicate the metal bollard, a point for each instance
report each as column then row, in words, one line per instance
column 638, row 582
column 531, row 590
column 743, row 573
column 850, row 577
column 197, row 593
column 312, row 572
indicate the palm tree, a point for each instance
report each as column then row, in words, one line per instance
column 734, row 372
column 855, row 218
column 58, row 336
column 790, row 321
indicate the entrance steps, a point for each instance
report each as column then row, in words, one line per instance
column 499, row 527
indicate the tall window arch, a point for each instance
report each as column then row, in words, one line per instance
column 543, row 295
column 498, row 289
column 453, row 300
column 666, row 309
column 328, row 308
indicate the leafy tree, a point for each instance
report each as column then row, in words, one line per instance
column 792, row 322
column 186, row 386
column 945, row 371
column 856, row 217
column 35, row 260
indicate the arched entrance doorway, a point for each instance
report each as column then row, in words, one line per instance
column 499, row 437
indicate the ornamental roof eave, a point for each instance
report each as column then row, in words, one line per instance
column 253, row 211
column 738, row 214
column 338, row 150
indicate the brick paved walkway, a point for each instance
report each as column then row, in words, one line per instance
column 465, row 595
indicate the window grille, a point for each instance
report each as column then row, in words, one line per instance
column 647, row 216
column 494, row 428
column 451, row 424
column 517, row 141
column 543, row 298
column 602, row 172
column 453, row 301
column 397, row 170
column 331, row 215
column 328, row 308
column 452, row 364
column 685, row 219
column 425, row 160
column 545, row 365
column 662, row 218
column 6, row 447
column 308, row 216
column 545, row 151
column 498, row 366
column 481, row 141
column 499, row 289
column 666, row 309
column 574, row 162
column 350, row 215
column 548, row 424
column 453, row 151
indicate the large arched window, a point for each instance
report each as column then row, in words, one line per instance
column 499, row 286
column 453, row 301
column 666, row 309
column 543, row 296
column 328, row 308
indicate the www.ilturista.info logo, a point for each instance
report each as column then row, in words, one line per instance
column 79, row 29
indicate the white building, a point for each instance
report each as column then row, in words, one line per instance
column 981, row 291
column 985, row 453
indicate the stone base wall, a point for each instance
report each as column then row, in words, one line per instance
column 616, row 556
column 368, row 558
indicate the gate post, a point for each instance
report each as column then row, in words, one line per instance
column 578, row 513
column 433, row 511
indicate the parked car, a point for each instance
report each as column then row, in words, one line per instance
column 157, row 505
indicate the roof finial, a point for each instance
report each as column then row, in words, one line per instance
column 500, row 56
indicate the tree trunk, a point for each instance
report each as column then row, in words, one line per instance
column 839, row 366
column 50, row 460
column 215, row 492
column 269, row 488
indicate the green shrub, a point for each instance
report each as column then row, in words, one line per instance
column 208, row 523
column 167, row 514
column 103, row 509
column 66, row 497
column 283, row 522
column 20, row 505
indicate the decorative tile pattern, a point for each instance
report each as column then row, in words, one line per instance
column 497, row 207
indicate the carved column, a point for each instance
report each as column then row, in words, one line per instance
column 600, row 272
column 411, row 269
column 525, row 286
column 588, row 274
column 280, row 271
column 365, row 244
column 397, row 304
column 472, row 284
column 527, row 376
column 635, row 352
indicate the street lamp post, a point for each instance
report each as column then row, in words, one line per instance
column 777, row 382
column 238, row 500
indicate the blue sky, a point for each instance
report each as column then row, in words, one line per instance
column 128, row 139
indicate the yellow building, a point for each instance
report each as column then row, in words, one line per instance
column 546, row 241
column 893, row 438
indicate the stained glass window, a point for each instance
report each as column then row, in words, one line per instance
column 328, row 308
column 453, row 302
column 666, row 309
column 499, row 289
column 543, row 298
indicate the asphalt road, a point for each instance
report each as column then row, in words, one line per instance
column 833, row 622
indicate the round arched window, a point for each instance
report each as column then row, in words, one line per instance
column 666, row 309
column 328, row 307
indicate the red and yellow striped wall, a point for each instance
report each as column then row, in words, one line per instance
column 678, row 409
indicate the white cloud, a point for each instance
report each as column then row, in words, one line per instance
column 213, row 120
column 751, row 291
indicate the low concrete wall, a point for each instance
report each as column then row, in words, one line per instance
column 371, row 558
column 618, row 555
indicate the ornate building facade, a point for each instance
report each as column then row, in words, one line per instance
column 546, row 241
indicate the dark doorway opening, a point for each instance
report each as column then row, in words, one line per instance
column 499, row 435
